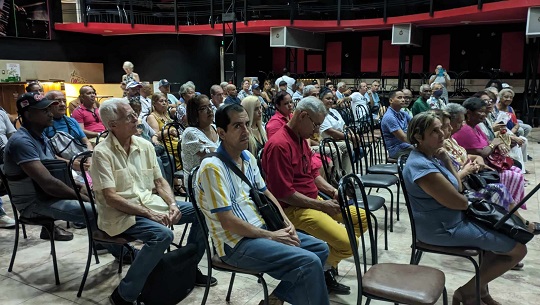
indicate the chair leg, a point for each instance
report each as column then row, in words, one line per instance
column 445, row 296
column 391, row 209
column 121, row 260
column 265, row 288
column 207, row 287
column 24, row 231
column 91, row 249
column 15, row 246
column 374, row 245
column 95, row 251
column 397, row 202
column 385, row 227
column 228, row 298
column 368, row 300
column 53, row 252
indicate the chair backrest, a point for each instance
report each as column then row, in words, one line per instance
column 401, row 165
column 6, row 185
column 347, row 192
column 102, row 135
column 169, row 141
column 328, row 149
column 357, row 153
column 198, row 213
column 83, row 158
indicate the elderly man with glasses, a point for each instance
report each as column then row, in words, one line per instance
column 294, row 182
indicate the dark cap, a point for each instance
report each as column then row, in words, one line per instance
column 33, row 100
column 163, row 82
column 474, row 103
column 282, row 83
column 255, row 86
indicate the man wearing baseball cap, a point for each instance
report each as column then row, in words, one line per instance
column 34, row 191
column 165, row 88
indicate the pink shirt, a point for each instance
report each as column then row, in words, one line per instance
column 90, row 118
column 471, row 138
column 275, row 123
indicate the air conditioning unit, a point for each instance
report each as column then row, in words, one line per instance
column 533, row 22
column 286, row 37
column 406, row 34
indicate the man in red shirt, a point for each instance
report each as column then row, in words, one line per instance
column 87, row 114
column 292, row 180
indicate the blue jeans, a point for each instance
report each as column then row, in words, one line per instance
column 300, row 269
column 63, row 209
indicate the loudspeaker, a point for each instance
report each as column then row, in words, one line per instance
column 533, row 22
column 295, row 38
column 406, row 34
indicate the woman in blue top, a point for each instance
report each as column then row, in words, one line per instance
column 438, row 208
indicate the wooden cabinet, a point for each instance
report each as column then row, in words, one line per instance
column 9, row 92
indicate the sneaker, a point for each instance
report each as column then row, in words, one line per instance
column 332, row 284
column 78, row 225
column 519, row 266
column 201, row 279
column 59, row 234
column 7, row 222
column 127, row 260
column 529, row 158
column 116, row 299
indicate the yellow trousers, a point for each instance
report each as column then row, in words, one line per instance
column 327, row 228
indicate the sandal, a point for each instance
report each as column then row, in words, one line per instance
column 534, row 227
column 180, row 190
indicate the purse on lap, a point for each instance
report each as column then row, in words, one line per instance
column 499, row 161
column 268, row 210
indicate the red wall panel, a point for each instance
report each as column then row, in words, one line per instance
column 417, row 63
column 390, row 59
column 369, row 60
column 333, row 57
column 300, row 61
column 314, row 62
column 439, row 52
column 278, row 59
column 512, row 52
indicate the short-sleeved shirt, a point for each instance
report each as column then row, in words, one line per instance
column 172, row 99
column 287, row 165
column 67, row 125
column 431, row 217
column 332, row 120
column 131, row 175
column 275, row 123
column 420, row 106
column 231, row 100
column 471, row 138
column 297, row 95
column 21, row 148
column 90, row 118
column 393, row 121
column 6, row 128
column 243, row 94
column 290, row 83
column 358, row 98
column 376, row 98
column 195, row 141
column 219, row 189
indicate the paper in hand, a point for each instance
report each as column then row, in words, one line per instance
column 503, row 117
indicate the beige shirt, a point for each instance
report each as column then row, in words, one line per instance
column 131, row 175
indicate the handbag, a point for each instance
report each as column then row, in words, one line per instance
column 474, row 182
column 490, row 176
column 499, row 161
column 268, row 210
column 489, row 214
column 63, row 144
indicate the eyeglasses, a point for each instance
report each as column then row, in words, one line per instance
column 205, row 108
column 489, row 101
column 315, row 126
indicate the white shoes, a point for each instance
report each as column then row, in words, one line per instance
column 6, row 222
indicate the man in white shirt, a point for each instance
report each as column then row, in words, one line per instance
column 216, row 97
column 359, row 98
column 146, row 102
column 286, row 78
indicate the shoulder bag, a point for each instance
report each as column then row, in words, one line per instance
column 269, row 212
column 474, row 182
column 63, row 144
column 499, row 161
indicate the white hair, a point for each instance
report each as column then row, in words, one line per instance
column 108, row 110
column 311, row 104
column 308, row 89
column 506, row 90
column 340, row 84
column 424, row 86
column 128, row 64
column 454, row 110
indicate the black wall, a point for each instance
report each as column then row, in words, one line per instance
column 176, row 58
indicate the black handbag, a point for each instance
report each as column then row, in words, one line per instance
column 489, row 214
column 268, row 210
column 474, row 182
column 490, row 176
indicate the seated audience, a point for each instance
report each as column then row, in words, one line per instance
column 34, row 191
column 216, row 97
column 231, row 95
column 310, row 90
column 288, row 80
column 475, row 142
column 436, row 101
column 145, row 98
column 299, row 92
column 237, row 229
column 200, row 138
column 256, row 89
column 284, row 110
column 374, row 99
column 133, row 198
column 187, row 92
column 333, row 127
column 506, row 96
column 290, row 176
column 394, row 126
column 165, row 87
column 407, row 98
column 439, row 209
column 245, row 92
column 268, row 91
column 87, row 113
column 35, row 86
column 421, row 104
column 158, row 118
column 257, row 134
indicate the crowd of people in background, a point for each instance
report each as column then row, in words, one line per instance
column 272, row 131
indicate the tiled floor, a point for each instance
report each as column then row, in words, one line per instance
column 32, row 280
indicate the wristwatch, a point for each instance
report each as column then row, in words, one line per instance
column 491, row 146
